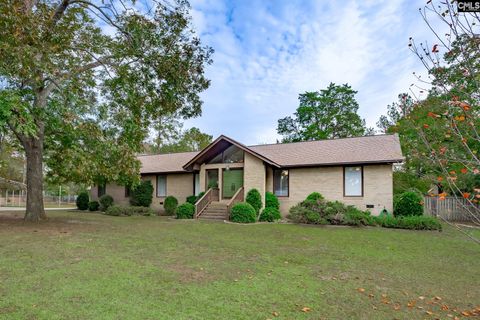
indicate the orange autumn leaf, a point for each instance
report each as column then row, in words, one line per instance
column 466, row 195
column 412, row 304
column 464, row 106
column 439, row 179
column 460, row 118
column 360, row 289
column 432, row 115
column 426, row 126
column 443, row 150
column 464, row 170
column 465, row 313
column 444, row 307
column 306, row 309
column 453, row 172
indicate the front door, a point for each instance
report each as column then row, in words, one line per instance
column 232, row 181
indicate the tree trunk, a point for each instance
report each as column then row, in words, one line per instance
column 34, row 153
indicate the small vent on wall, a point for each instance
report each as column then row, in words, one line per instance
column 370, row 206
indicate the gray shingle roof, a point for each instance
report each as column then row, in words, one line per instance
column 370, row 149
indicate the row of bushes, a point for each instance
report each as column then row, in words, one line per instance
column 117, row 210
column 316, row 210
column 83, row 202
column 249, row 211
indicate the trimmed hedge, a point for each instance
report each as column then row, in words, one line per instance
column 192, row 199
column 93, row 205
column 270, row 214
column 254, row 199
column 116, row 210
column 142, row 195
column 409, row 222
column 82, row 200
column 105, row 202
column 170, row 205
column 315, row 196
column 185, row 211
column 407, row 204
column 271, row 200
column 243, row 212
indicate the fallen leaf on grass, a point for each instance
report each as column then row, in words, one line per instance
column 421, row 297
column 411, row 304
column 360, row 290
column 465, row 313
column 306, row 309
column 275, row 314
column 370, row 295
column 429, row 312
column 396, row 306
column 444, row 307
column 437, row 298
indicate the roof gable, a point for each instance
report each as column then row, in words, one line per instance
column 219, row 145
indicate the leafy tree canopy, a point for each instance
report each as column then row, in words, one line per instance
column 325, row 114
column 81, row 97
column 181, row 141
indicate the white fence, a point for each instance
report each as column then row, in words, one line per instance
column 451, row 209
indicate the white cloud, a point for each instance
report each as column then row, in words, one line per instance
column 266, row 53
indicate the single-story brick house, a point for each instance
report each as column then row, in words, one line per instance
column 356, row 171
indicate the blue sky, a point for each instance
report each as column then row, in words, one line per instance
column 267, row 52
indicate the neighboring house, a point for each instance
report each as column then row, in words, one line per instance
column 356, row 171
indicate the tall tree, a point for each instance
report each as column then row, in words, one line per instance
column 189, row 140
column 81, row 96
column 450, row 129
column 395, row 112
column 325, row 114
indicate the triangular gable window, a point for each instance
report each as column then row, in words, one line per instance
column 232, row 154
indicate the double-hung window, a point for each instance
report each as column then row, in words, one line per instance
column 161, row 185
column 280, row 183
column 353, row 181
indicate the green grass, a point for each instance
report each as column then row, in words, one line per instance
column 90, row 266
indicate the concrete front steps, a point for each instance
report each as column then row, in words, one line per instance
column 215, row 211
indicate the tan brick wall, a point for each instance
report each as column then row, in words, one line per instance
column 116, row 191
column 254, row 175
column 378, row 187
column 179, row 185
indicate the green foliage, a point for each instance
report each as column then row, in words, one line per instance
column 213, row 185
column 271, row 200
column 243, row 212
column 105, row 202
column 254, row 199
column 315, row 196
column 93, row 205
column 142, row 194
column 356, row 217
column 408, row 181
column 116, row 210
column 189, row 140
column 384, row 212
column 270, row 214
column 185, row 211
column 409, row 222
column 408, row 204
column 89, row 94
column 200, row 195
column 170, row 205
column 325, row 114
column 82, row 200
column 192, row 199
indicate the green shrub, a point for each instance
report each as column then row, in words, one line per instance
column 298, row 213
column 271, row 201
column 116, row 210
column 142, row 195
column 409, row 222
column 270, row 214
column 105, row 202
column 93, row 205
column 185, row 211
column 357, row 217
column 313, row 217
column 82, row 201
column 200, row 195
column 192, row 199
column 315, row 196
column 408, row 204
column 243, row 212
column 170, row 205
column 254, row 199
column 212, row 185
column 384, row 212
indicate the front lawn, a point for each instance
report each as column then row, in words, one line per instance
column 82, row 265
